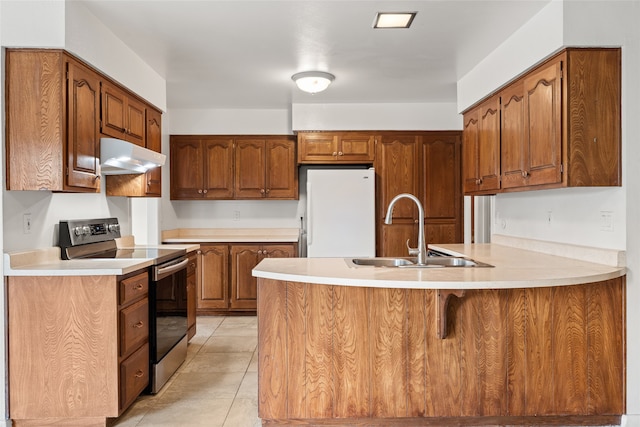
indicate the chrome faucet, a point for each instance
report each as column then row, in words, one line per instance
column 421, row 250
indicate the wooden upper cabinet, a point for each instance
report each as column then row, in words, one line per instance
column 559, row 126
column 52, row 117
column 83, row 147
column 123, row 116
column 141, row 185
column 514, row 154
column 233, row 167
column 218, row 168
column 543, row 125
column 481, row 155
column 201, row 168
column 336, row 147
column 265, row 168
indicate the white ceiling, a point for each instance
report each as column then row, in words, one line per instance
column 241, row 54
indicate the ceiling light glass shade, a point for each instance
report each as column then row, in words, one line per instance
column 313, row 81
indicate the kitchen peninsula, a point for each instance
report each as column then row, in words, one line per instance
column 535, row 339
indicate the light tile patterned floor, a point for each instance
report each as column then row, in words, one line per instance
column 216, row 386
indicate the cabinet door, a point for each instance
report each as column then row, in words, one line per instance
column 135, row 120
column 113, row 111
column 543, row 91
column 489, row 145
column 355, row 147
column 243, row 285
column 397, row 169
column 186, row 168
column 514, row 151
column 214, row 280
column 317, row 147
column 250, row 163
column 281, row 171
column 83, row 143
column 153, row 178
column 218, row 168
column 441, row 195
column 470, row 176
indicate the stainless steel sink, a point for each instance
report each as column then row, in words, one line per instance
column 431, row 262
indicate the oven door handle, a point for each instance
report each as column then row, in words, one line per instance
column 160, row 272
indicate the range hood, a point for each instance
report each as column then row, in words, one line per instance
column 118, row 157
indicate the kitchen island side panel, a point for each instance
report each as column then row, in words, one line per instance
column 555, row 354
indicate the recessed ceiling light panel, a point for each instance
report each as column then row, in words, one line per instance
column 394, row 19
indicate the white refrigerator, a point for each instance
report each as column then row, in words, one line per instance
column 341, row 213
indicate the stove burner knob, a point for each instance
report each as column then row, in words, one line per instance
column 114, row 228
column 86, row 230
column 82, row 231
column 77, row 231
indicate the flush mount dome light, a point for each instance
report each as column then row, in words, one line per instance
column 313, row 81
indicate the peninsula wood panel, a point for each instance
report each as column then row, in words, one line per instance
column 364, row 355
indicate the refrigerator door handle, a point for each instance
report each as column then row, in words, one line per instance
column 309, row 216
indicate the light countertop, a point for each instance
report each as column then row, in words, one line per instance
column 512, row 268
column 231, row 235
column 47, row 262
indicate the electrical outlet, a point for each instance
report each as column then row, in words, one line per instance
column 26, row 223
column 236, row 215
column 606, row 221
column 549, row 217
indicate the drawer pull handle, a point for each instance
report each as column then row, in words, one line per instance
column 139, row 324
column 139, row 373
column 138, row 287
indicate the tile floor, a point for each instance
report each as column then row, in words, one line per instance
column 216, row 386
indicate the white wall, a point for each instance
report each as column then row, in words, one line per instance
column 576, row 214
column 433, row 116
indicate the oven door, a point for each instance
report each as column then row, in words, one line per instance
column 167, row 319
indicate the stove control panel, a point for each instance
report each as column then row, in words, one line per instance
column 81, row 232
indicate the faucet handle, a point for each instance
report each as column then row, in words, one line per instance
column 412, row 251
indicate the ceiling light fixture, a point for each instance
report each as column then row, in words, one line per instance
column 394, row 19
column 313, row 81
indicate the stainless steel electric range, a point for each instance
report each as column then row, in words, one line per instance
column 95, row 238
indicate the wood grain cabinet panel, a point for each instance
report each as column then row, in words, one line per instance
column 123, row 116
column 427, row 165
column 559, row 126
column 52, row 126
column 226, row 284
column 192, row 294
column 336, row 147
column 481, row 155
column 76, row 366
column 332, row 354
column 233, row 167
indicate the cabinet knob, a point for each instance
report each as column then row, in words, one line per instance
column 340, row 153
column 525, row 174
column 199, row 252
column 139, row 373
column 268, row 189
column 205, row 191
column 262, row 191
column 334, row 153
column 199, row 191
column 138, row 325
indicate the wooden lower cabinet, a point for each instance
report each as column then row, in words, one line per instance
column 346, row 355
column 78, row 347
column 226, row 284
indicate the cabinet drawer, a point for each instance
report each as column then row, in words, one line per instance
column 134, row 326
column 134, row 376
column 134, row 287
